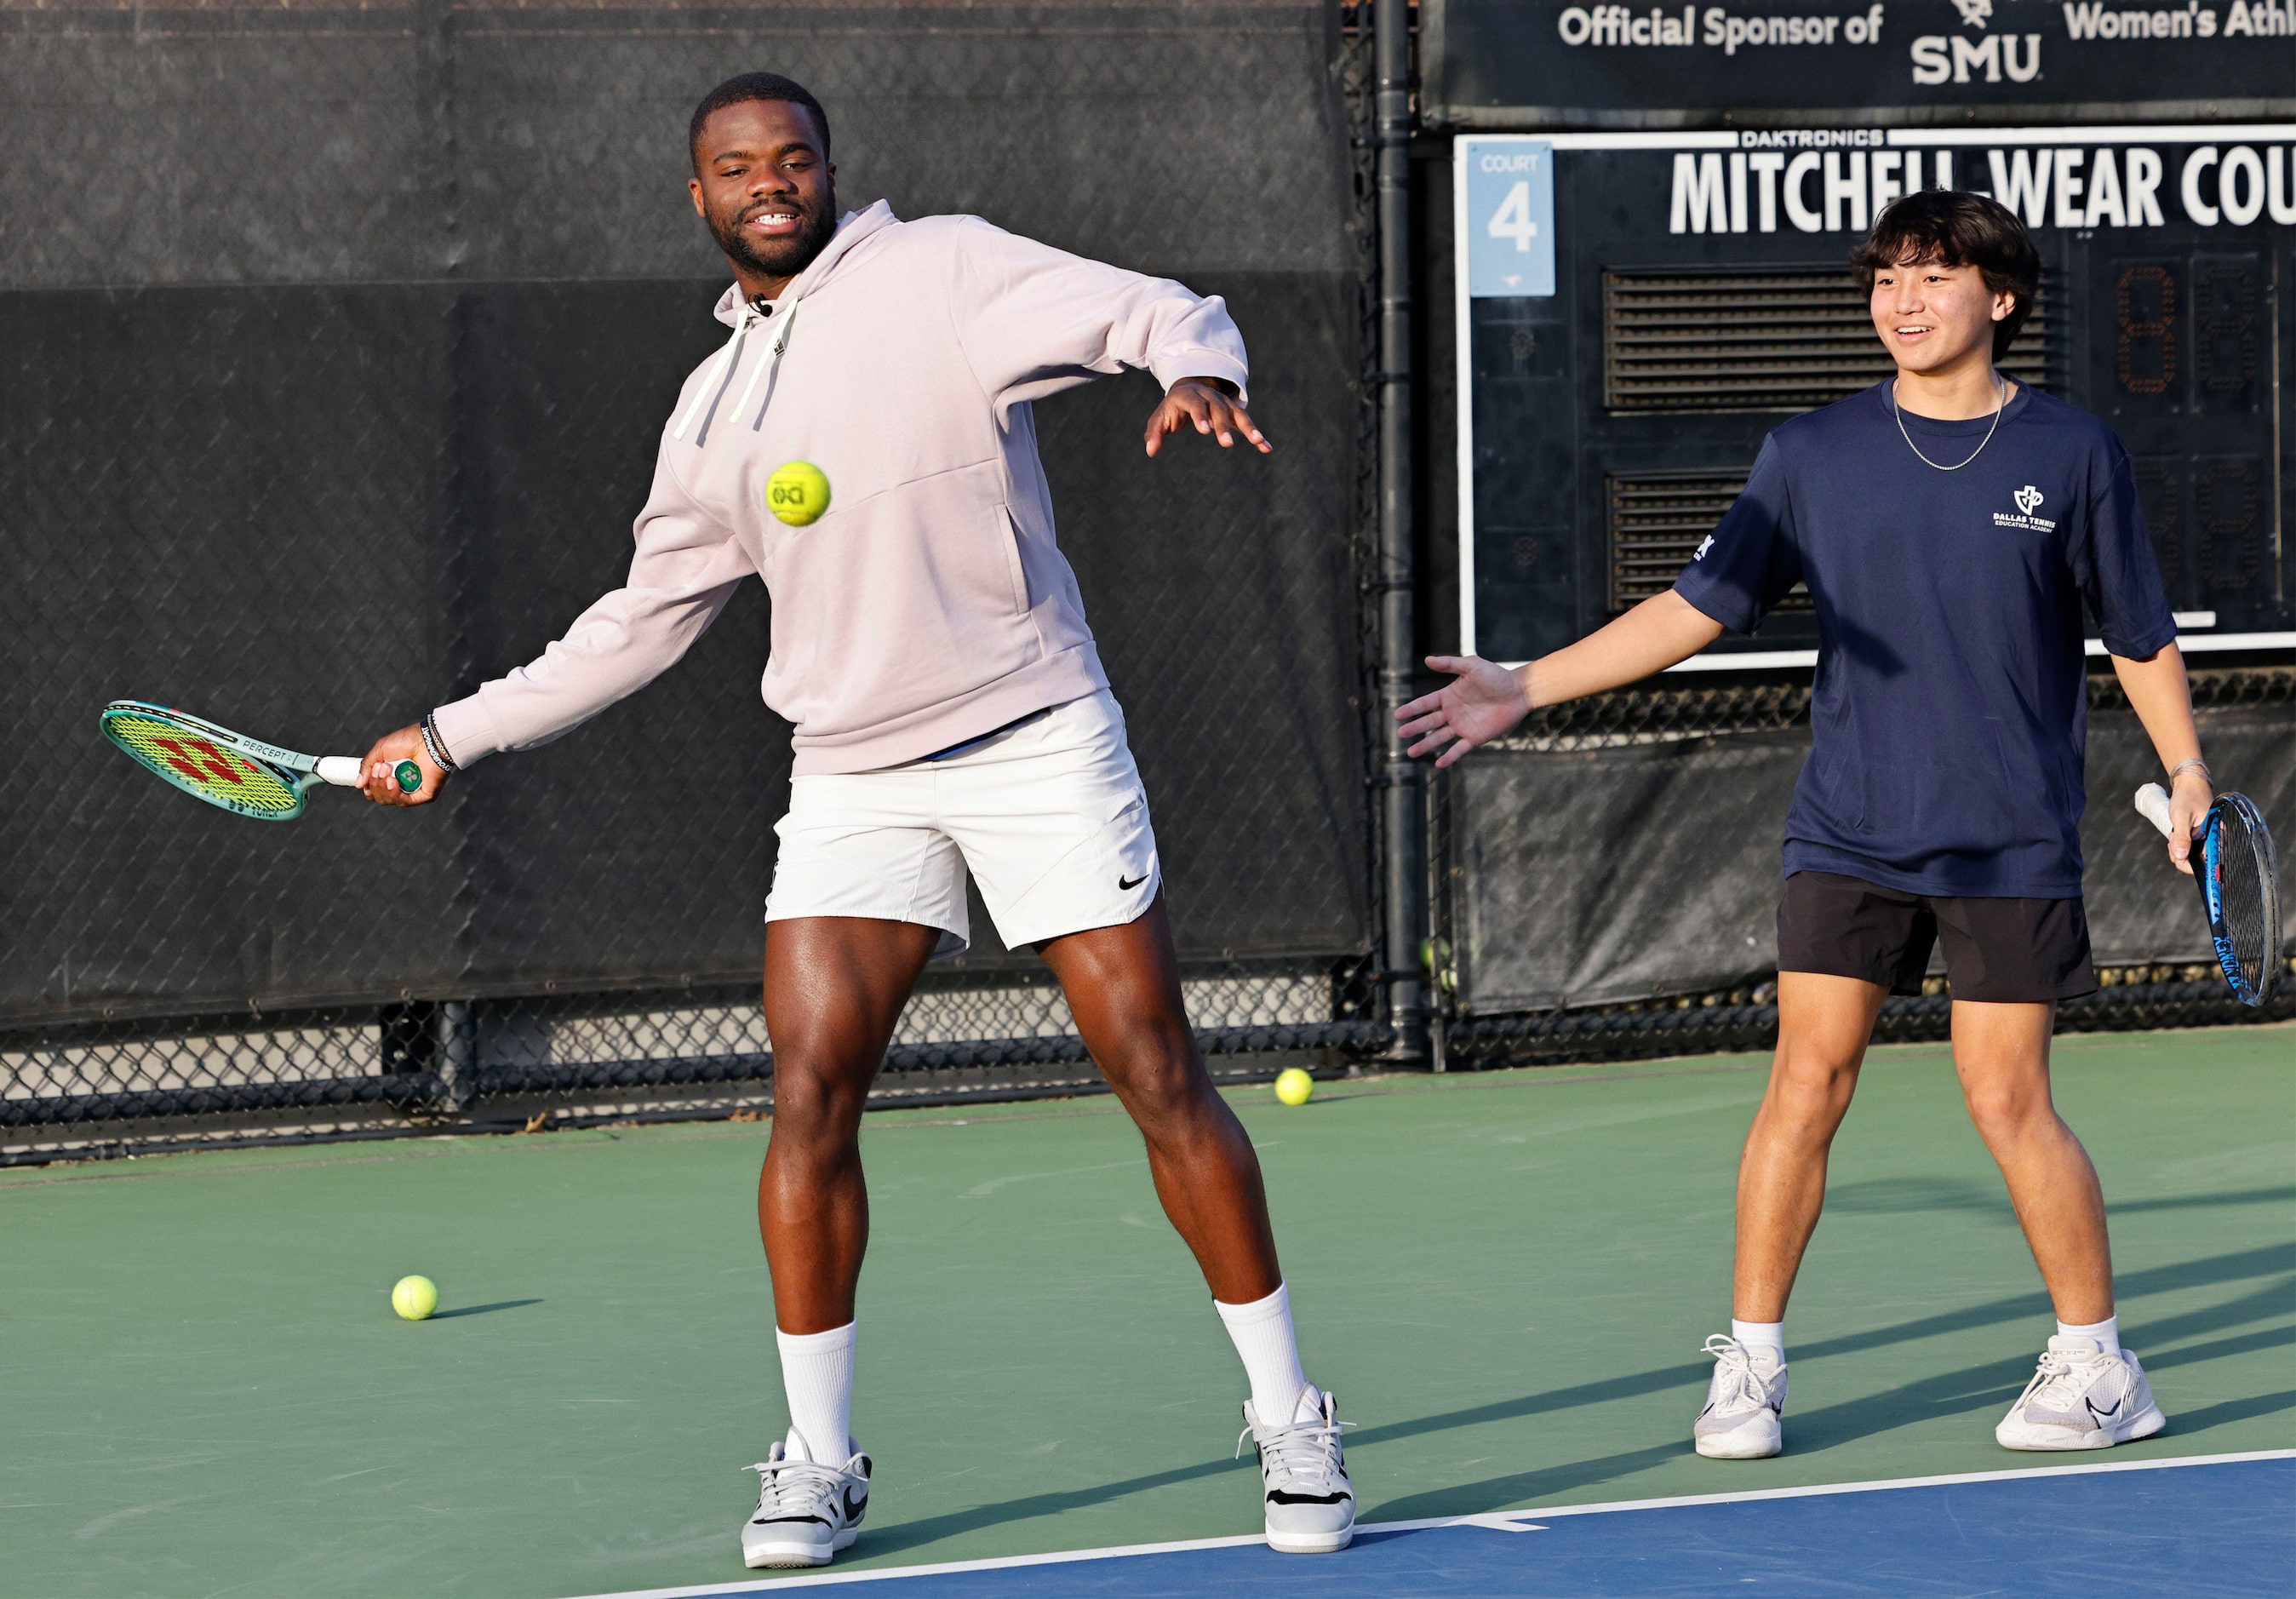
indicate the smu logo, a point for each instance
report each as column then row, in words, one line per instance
column 2028, row 499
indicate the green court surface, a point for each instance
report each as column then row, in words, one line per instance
column 1505, row 1276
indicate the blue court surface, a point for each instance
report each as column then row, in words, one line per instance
column 2210, row 1525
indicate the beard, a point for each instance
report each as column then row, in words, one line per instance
column 779, row 257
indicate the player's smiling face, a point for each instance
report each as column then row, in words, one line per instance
column 1932, row 316
column 767, row 189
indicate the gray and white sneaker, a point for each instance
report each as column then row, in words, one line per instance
column 1745, row 1404
column 1303, row 1476
column 2084, row 1396
column 806, row 1511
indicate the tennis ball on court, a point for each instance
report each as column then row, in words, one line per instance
column 797, row 493
column 414, row 1297
column 1294, row 1085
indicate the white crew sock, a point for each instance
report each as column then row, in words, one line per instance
column 817, row 1380
column 2106, row 1332
column 1761, row 1335
column 1262, row 1331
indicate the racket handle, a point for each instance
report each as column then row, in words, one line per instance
column 349, row 772
column 2152, row 805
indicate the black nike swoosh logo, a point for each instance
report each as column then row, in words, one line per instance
column 1131, row 883
column 854, row 1507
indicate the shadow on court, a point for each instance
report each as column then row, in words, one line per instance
column 1976, row 1392
column 441, row 1315
column 2199, row 1202
column 909, row 1534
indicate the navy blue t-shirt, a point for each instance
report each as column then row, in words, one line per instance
column 1950, row 710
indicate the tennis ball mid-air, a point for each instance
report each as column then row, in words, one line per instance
column 797, row 493
column 414, row 1297
column 1294, row 1085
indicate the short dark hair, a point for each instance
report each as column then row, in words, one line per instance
column 746, row 86
column 1955, row 228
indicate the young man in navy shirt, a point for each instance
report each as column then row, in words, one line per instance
column 1949, row 524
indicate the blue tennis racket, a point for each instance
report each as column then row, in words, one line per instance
column 2239, row 875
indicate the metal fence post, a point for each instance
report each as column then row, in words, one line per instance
column 455, row 1035
column 1403, row 810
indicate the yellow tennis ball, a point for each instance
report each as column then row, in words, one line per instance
column 797, row 493
column 414, row 1297
column 1293, row 1087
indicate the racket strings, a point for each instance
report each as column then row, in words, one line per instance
column 199, row 763
column 2244, row 896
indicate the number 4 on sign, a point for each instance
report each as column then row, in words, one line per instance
column 1513, row 219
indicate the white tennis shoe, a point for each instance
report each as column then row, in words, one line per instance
column 2085, row 1396
column 806, row 1511
column 1745, row 1404
column 1303, row 1477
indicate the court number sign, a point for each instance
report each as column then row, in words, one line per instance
column 1505, row 202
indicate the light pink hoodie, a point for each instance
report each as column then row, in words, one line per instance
column 931, row 604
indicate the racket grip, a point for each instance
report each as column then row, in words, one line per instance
column 2152, row 805
column 340, row 770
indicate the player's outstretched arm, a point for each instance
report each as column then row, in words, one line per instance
column 2162, row 696
column 1211, row 407
column 376, row 780
column 1484, row 701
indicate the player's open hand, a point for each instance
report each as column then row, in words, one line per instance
column 1202, row 404
column 1482, row 701
column 378, row 779
column 2188, row 808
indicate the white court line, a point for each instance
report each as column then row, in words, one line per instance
column 1510, row 1520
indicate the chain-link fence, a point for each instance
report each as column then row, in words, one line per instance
column 354, row 413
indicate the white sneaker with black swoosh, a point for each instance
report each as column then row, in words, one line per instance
column 2085, row 1396
column 1744, row 1418
column 1310, row 1503
column 806, row 1511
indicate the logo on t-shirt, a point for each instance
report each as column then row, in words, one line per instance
column 2029, row 500
column 1704, row 544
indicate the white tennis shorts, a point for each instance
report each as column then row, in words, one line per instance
column 1049, row 816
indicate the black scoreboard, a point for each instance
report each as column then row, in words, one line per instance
column 1636, row 309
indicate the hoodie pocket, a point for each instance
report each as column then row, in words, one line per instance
column 1006, row 536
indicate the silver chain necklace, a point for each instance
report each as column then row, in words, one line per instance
column 1973, row 455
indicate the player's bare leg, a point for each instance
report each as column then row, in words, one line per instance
column 2002, row 1054
column 2087, row 1392
column 1824, row 1024
column 834, row 989
column 1123, row 986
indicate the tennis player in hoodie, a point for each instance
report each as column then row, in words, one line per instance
column 950, row 714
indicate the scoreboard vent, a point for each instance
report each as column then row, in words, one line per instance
column 1656, row 520
column 1786, row 339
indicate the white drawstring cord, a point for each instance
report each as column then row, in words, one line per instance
column 781, row 344
column 730, row 353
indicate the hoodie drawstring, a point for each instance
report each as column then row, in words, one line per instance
column 728, row 362
column 781, row 343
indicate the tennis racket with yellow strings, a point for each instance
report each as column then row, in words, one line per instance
column 242, row 775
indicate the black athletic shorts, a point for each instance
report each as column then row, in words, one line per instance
column 2001, row 951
